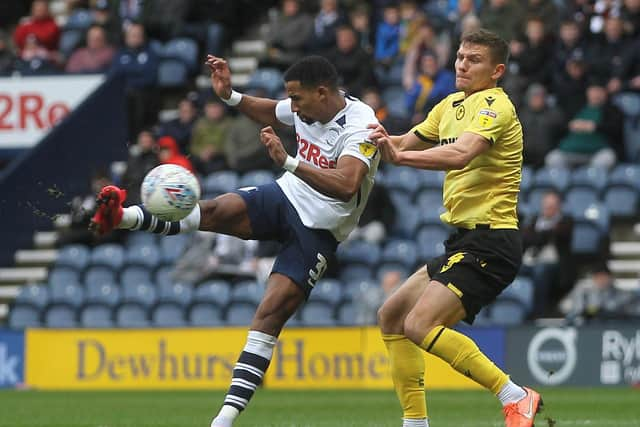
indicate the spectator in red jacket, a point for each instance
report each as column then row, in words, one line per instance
column 168, row 152
column 41, row 25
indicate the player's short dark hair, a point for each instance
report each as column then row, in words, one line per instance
column 498, row 47
column 313, row 71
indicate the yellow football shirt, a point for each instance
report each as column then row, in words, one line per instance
column 486, row 190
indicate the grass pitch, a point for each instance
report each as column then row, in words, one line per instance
column 564, row 407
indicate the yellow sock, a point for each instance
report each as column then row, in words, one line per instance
column 407, row 370
column 465, row 357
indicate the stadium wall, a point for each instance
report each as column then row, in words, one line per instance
column 304, row 358
column 41, row 183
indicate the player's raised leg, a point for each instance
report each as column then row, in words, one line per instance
column 405, row 358
column 225, row 214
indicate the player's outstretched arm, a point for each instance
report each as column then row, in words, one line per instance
column 444, row 157
column 406, row 142
column 261, row 110
column 341, row 183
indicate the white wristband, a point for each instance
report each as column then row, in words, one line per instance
column 290, row 164
column 234, row 99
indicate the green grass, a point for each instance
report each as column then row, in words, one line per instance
column 619, row 407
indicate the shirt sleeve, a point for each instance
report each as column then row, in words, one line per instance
column 284, row 113
column 491, row 122
column 427, row 130
column 356, row 145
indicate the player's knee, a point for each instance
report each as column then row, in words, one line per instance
column 389, row 319
column 417, row 326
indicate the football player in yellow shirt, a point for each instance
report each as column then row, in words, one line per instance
column 475, row 136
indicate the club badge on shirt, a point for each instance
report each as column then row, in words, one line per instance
column 367, row 149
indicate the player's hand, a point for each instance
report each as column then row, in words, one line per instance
column 389, row 152
column 274, row 145
column 378, row 131
column 220, row 76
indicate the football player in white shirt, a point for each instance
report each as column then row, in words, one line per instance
column 309, row 209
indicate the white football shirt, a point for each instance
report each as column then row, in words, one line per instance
column 321, row 145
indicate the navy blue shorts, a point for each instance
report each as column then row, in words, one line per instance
column 306, row 253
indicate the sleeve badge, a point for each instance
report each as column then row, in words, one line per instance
column 367, row 149
column 486, row 117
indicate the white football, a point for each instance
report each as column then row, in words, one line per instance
column 170, row 192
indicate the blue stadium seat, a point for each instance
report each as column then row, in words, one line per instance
column 579, row 199
column 60, row 316
column 429, row 199
column 96, row 316
column 432, row 180
column 395, row 99
column 140, row 238
column 205, row 314
column 507, row 312
column 526, row 180
column 164, row 275
column 24, row 316
column 255, row 178
column 134, row 274
column 327, row 290
column 552, row 178
column 596, row 213
column 108, row 254
column 143, row 294
column 354, row 290
column 220, row 182
column 143, row 255
column 589, row 177
column 404, row 179
column 213, row 291
column 183, row 49
column 69, row 294
column 269, row 79
column 625, row 174
column 168, row 315
column 427, row 217
column 520, row 290
column 317, row 313
column 407, row 221
column 346, row 314
column 586, row 239
column 69, row 40
column 102, row 293
column 172, row 73
column 176, row 293
column 240, row 313
column 355, row 272
column 131, row 315
column 36, row 295
column 73, row 256
column 99, row 274
column 623, row 201
column 430, row 241
column 534, row 199
column 401, row 252
column 358, row 252
column 61, row 275
column 172, row 247
column 248, row 291
column 79, row 19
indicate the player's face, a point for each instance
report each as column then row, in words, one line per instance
column 304, row 102
column 475, row 70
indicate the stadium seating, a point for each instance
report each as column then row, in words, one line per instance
column 35, row 295
column 172, row 247
column 354, row 273
column 220, row 182
column 141, row 238
column 430, row 241
column 401, row 252
column 589, row 177
column 346, row 314
column 100, row 274
column 402, row 179
column 269, row 79
column 328, row 291
column 182, row 49
column 430, row 180
column 143, row 255
column 256, row 178
column 131, row 315
column 247, row 291
column 68, row 294
column 358, row 252
column 73, row 256
column 164, row 275
column 213, row 292
column 134, row 274
column 507, row 312
column 428, row 199
column 96, row 316
column 578, row 199
column 520, row 290
column 63, row 275
column 23, row 316
column 240, row 313
column 205, row 314
column 317, row 313
column 107, row 294
column 552, row 178
column 176, row 293
column 142, row 294
column 172, row 73
column 395, row 100
column 60, row 316
column 622, row 201
column 168, row 315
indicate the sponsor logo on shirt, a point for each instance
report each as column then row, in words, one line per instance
column 312, row 154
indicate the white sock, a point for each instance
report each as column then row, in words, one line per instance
column 415, row 422
column 135, row 218
column 130, row 217
column 511, row 393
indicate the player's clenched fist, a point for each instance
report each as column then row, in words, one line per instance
column 274, row 145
